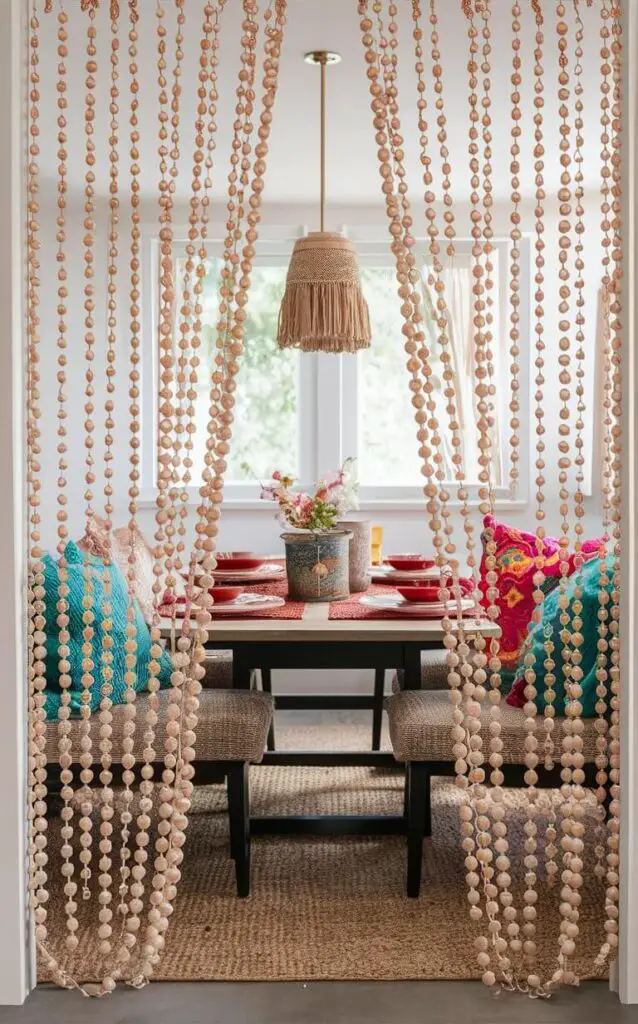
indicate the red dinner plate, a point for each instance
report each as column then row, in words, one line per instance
column 421, row 594
column 239, row 562
column 222, row 595
column 409, row 562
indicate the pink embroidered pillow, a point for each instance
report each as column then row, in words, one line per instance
column 96, row 542
column 515, row 554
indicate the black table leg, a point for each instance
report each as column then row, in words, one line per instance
column 239, row 824
column 266, row 685
column 412, row 667
column 242, row 674
column 377, row 710
column 418, row 820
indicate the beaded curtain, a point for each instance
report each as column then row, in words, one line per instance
column 122, row 855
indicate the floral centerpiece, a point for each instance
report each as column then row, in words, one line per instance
column 316, row 546
column 333, row 497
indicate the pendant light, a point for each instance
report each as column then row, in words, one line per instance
column 323, row 309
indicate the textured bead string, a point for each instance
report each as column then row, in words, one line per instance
column 385, row 106
column 62, row 606
column 515, row 253
column 222, row 386
column 217, row 446
column 512, row 926
column 130, row 674
column 437, row 73
column 551, row 867
column 572, row 760
column 167, row 185
column 204, row 546
column 615, row 308
column 435, row 278
column 602, row 658
column 169, row 471
column 577, row 639
column 166, row 189
column 225, row 363
column 195, row 272
column 107, row 810
column 429, row 435
column 88, row 614
column 236, row 212
column 173, row 389
column 489, row 803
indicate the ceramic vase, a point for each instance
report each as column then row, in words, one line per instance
column 317, row 565
column 359, row 557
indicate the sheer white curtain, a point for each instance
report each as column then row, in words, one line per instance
column 457, row 280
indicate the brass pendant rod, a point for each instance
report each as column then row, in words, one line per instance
column 322, row 58
column 322, row 194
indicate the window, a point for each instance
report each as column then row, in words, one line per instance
column 265, row 424
column 305, row 413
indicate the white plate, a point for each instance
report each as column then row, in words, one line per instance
column 266, row 573
column 431, row 610
column 244, row 605
column 380, row 573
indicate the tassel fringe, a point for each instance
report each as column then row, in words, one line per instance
column 324, row 317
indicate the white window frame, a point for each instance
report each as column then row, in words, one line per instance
column 329, row 383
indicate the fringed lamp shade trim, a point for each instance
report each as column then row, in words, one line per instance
column 323, row 308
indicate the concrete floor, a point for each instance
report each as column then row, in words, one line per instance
column 433, row 1002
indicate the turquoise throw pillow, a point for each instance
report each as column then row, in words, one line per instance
column 588, row 578
column 76, row 561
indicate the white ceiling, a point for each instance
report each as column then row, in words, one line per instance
column 292, row 174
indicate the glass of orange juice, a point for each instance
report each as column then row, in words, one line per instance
column 376, row 540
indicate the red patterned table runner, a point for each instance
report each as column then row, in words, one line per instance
column 289, row 610
column 352, row 609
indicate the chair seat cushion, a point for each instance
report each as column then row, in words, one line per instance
column 232, row 726
column 421, row 723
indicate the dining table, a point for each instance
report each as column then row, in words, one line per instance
column 329, row 637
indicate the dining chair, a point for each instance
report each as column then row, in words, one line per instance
column 232, row 729
column 420, row 729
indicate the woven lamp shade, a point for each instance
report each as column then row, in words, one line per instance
column 323, row 308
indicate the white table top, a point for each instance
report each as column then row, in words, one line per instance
column 316, row 626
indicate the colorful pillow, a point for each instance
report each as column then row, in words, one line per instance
column 119, row 546
column 588, row 578
column 75, row 572
column 515, row 553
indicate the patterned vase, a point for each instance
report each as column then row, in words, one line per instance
column 317, row 565
column 359, row 559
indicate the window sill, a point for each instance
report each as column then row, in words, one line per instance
column 393, row 506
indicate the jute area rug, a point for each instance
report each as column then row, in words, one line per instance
column 331, row 908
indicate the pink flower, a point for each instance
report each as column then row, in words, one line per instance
column 269, row 492
column 276, row 475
